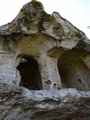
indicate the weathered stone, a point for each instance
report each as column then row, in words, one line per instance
column 52, row 42
column 46, row 53
column 17, row 103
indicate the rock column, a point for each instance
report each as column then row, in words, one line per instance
column 49, row 73
column 7, row 68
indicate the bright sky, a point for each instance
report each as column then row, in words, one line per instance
column 76, row 11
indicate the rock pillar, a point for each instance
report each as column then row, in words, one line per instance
column 49, row 73
column 7, row 68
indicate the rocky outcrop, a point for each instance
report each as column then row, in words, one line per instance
column 50, row 58
column 17, row 103
column 54, row 51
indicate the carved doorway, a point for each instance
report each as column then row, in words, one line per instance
column 29, row 72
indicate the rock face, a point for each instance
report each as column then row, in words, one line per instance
column 17, row 103
column 40, row 51
column 47, row 53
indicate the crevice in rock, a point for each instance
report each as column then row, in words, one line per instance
column 29, row 72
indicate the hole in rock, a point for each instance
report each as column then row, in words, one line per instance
column 29, row 72
column 74, row 71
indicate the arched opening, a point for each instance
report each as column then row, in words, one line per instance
column 29, row 72
column 74, row 72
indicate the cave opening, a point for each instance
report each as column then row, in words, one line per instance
column 73, row 70
column 30, row 75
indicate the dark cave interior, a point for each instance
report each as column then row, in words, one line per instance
column 29, row 72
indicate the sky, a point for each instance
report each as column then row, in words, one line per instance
column 75, row 11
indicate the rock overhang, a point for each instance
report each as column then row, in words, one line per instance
column 33, row 19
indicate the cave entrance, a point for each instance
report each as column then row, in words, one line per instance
column 29, row 72
column 74, row 71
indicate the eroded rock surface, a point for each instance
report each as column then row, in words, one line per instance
column 48, row 54
column 17, row 103
column 60, row 50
